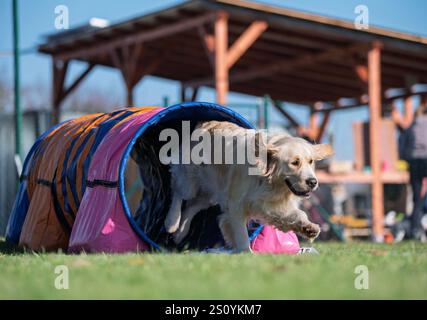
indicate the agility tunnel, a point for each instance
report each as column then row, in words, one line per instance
column 74, row 190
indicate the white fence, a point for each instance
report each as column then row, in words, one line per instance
column 33, row 125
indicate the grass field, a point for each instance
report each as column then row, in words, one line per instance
column 395, row 271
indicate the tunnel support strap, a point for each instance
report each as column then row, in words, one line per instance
column 103, row 183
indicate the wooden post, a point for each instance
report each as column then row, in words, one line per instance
column 60, row 68
column 127, row 62
column 208, row 43
column 221, row 47
column 312, row 125
column 60, row 91
column 129, row 95
column 374, row 88
column 325, row 121
column 77, row 81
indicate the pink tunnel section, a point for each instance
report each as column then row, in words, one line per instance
column 271, row 240
column 101, row 224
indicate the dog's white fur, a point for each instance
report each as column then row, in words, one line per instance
column 271, row 197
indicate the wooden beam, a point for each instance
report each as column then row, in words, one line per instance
column 341, row 80
column 115, row 58
column 362, row 73
column 127, row 64
column 128, row 67
column 323, row 126
column 260, row 47
column 374, row 88
column 76, row 82
column 60, row 68
column 287, row 39
column 208, row 43
column 328, row 29
column 142, row 36
column 59, row 73
column 360, row 177
column 410, row 63
column 291, row 85
column 127, row 59
column 361, row 102
column 315, row 132
column 396, row 72
column 221, row 46
column 312, row 125
column 129, row 96
column 246, row 39
column 360, row 68
column 118, row 56
column 315, row 86
column 283, row 91
column 134, row 58
column 285, row 65
column 343, row 70
column 150, row 67
column 255, row 90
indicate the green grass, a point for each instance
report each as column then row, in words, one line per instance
column 395, row 271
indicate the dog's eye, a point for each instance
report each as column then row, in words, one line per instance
column 295, row 163
column 311, row 161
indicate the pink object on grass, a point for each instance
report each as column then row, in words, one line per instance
column 271, row 240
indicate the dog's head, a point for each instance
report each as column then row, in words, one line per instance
column 291, row 161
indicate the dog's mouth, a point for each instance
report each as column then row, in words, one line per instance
column 296, row 192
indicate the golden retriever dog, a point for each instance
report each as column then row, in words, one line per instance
column 286, row 175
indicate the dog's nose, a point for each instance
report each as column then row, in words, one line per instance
column 311, row 182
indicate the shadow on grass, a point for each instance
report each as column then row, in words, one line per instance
column 9, row 248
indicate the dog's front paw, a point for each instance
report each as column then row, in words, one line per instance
column 171, row 224
column 310, row 230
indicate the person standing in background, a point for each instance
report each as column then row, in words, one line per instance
column 413, row 149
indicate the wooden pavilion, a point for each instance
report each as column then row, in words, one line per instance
column 234, row 45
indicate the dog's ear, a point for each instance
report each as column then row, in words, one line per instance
column 278, row 139
column 267, row 162
column 272, row 160
column 322, row 151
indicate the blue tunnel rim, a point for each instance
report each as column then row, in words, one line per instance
column 155, row 119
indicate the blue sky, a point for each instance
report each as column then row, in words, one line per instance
column 37, row 19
